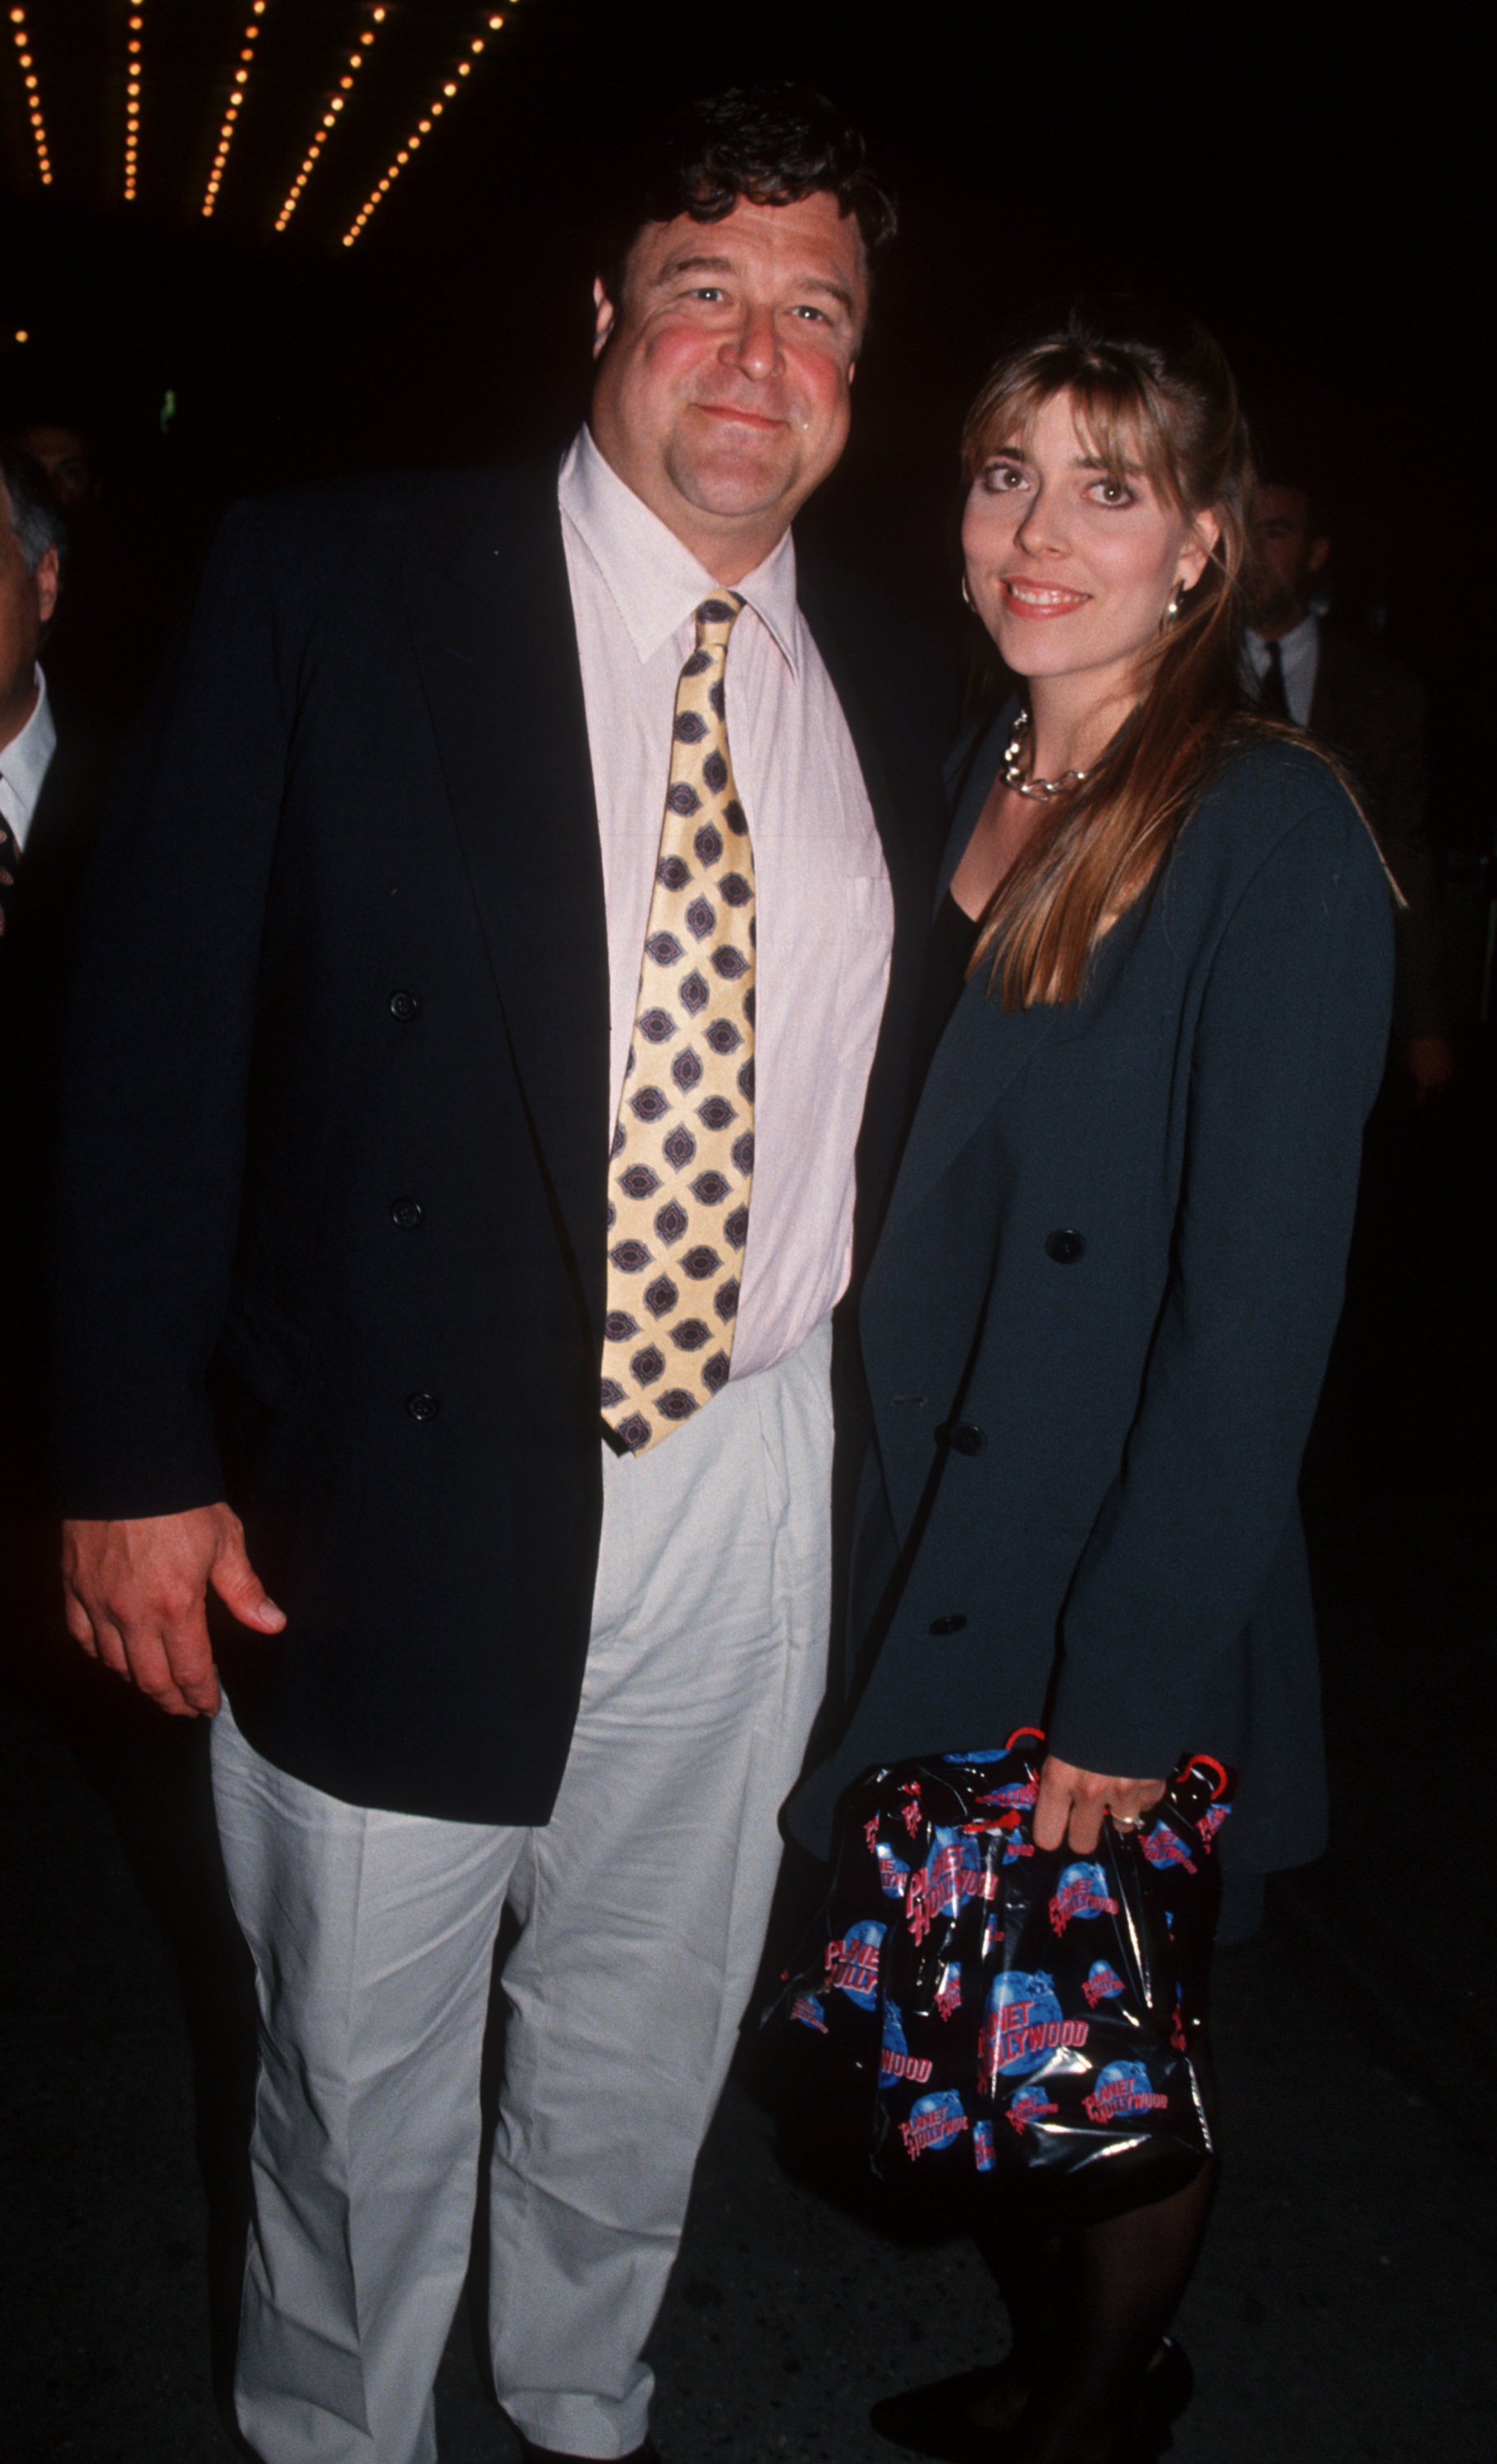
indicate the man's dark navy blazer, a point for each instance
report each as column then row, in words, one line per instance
column 332, row 1227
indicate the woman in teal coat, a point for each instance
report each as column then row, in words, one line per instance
column 1096, row 1325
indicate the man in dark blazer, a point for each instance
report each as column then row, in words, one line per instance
column 53, row 765
column 339, row 1255
column 1369, row 710
column 30, row 551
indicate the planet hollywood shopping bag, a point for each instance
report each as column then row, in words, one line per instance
column 978, row 2014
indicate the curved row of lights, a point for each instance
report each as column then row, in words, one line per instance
column 23, row 45
column 434, row 109
column 132, row 101
column 329, row 121
column 226, row 135
column 452, row 87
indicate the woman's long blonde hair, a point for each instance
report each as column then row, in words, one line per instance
column 1151, row 392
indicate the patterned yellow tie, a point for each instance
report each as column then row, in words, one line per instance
column 682, row 1160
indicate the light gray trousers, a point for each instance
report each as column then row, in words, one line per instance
column 642, row 1906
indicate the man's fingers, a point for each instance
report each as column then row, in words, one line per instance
column 110, row 1647
column 79, row 1624
column 135, row 1592
column 176, row 1674
column 135, row 1595
column 240, row 1589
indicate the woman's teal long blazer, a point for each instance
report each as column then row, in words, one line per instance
column 1096, row 1325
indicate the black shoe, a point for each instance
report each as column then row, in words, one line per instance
column 936, row 2420
column 648, row 2453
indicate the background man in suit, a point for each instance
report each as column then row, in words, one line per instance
column 31, row 534
column 1369, row 710
column 31, row 553
column 374, row 903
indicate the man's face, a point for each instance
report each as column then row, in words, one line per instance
column 26, row 602
column 63, row 454
column 723, row 375
column 1285, row 553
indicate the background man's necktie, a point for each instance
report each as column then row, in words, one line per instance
column 682, row 1160
column 8, row 863
column 1272, row 699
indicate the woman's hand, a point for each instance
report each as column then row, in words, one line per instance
column 1071, row 1803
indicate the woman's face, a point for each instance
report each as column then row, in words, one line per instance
column 1069, row 565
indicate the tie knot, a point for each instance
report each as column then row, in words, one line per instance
column 715, row 619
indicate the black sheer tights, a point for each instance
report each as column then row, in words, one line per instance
column 1087, row 2313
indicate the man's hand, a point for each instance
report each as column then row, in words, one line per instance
column 1071, row 1803
column 135, row 1595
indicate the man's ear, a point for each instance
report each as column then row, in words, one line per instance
column 1319, row 550
column 605, row 316
column 47, row 577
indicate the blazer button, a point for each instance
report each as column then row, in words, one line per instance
column 404, row 1006
column 1065, row 1248
column 967, row 1437
column 407, row 1212
column 423, row 1407
column 947, row 1624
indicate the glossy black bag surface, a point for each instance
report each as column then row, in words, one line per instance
column 979, row 2015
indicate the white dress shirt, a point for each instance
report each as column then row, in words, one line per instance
column 824, row 910
column 1300, row 654
column 24, row 763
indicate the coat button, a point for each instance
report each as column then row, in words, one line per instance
column 967, row 1437
column 407, row 1212
column 404, row 1006
column 1065, row 1248
column 423, row 1407
column 947, row 1624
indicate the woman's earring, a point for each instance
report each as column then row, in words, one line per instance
column 966, row 593
column 1176, row 602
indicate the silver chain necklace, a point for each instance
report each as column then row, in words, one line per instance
column 1040, row 789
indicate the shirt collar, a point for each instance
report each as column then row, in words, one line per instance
column 1293, row 645
column 654, row 580
column 25, row 759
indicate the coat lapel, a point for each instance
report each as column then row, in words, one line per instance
column 906, row 810
column 497, row 650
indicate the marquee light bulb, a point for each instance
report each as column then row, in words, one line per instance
column 134, row 77
column 329, row 119
column 237, row 95
column 23, row 50
column 451, row 88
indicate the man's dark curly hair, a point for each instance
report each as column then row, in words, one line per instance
column 773, row 145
